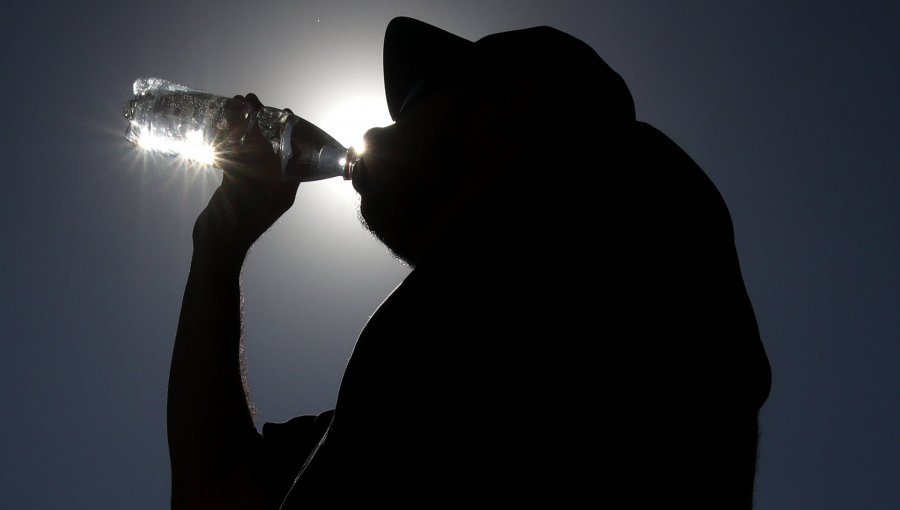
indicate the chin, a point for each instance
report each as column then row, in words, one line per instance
column 389, row 228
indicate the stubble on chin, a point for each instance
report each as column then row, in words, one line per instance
column 401, row 212
column 386, row 228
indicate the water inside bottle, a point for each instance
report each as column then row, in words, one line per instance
column 143, row 86
column 175, row 120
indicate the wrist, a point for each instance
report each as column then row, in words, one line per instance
column 236, row 216
column 219, row 230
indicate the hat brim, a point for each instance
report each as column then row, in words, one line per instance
column 412, row 51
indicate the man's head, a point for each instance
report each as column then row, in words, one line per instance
column 508, row 110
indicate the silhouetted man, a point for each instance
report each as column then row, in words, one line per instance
column 575, row 328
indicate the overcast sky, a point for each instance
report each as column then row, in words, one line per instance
column 791, row 107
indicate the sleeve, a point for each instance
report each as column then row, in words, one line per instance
column 285, row 448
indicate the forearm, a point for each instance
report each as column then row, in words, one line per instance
column 212, row 439
column 210, row 426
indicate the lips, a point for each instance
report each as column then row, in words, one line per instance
column 359, row 178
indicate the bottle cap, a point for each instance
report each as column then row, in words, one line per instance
column 349, row 162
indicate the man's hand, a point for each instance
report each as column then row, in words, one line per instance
column 245, row 205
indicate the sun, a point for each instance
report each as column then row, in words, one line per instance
column 351, row 117
column 193, row 147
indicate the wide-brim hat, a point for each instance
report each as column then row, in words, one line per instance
column 420, row 56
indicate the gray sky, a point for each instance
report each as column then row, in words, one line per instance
column 792, row 110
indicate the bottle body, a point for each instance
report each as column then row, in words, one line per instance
column 173, row 119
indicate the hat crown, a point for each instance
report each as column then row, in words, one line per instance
column 574, row 74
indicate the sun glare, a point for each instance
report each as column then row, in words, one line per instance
column 352, row 117
column 192, row 147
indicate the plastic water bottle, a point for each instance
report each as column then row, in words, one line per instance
column 173, row 119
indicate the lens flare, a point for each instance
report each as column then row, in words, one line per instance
column 193, row 147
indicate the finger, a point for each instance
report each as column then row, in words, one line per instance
column 236, row 114
column 252, row 99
